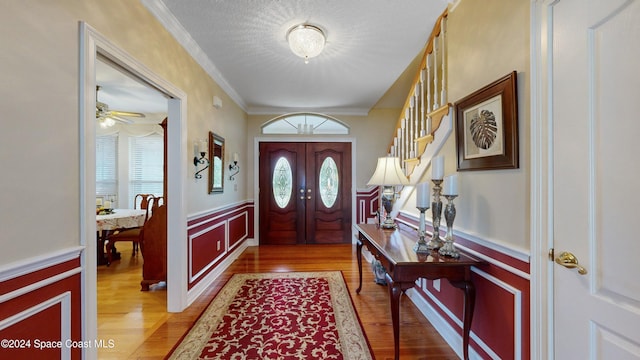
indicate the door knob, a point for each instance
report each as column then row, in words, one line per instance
column 570, row 261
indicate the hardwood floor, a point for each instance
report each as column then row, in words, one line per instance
column 140, row 327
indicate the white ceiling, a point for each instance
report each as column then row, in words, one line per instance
column 120, row 90
column 242, row 45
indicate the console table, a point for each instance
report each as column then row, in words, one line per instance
column 403, row 267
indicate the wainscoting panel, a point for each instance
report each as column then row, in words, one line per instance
column 214, row 235
column 500, row 328
column 206, row 247
column 238, row 229
column 367, row 203
column 40, row 308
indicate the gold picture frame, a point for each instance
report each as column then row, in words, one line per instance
column 216, row 163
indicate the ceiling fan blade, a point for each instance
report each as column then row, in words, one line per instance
column 102, row 112
column 121, row 119
column 126, row 113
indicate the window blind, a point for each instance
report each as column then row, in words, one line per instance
column 106, row 165
column 146, row 165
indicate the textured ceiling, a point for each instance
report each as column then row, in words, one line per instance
column 242, row 45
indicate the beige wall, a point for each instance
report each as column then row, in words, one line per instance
column 40, row 158
column 487, row 40
column 39, row 161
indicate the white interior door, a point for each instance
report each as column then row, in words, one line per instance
column 596, row 172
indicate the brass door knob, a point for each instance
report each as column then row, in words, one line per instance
column 570, row 261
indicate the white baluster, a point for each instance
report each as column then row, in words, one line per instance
column 395, row 146
column 422, row 118
column 406, row 140
column 428, row 83
column 399, row 150
column 443, row 98
column 405, row 137
column 435, row 74
column 416, row 117
column 412, row 128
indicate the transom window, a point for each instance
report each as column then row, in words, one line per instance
column 305, row 124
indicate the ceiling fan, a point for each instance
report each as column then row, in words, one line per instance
column 107, row 118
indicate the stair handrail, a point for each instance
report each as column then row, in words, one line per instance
column 422, row 111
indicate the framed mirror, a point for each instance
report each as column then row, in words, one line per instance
column 216, row 161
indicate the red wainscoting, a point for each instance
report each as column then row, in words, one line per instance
column 213, row 236
column 40, row 309
column 367, row 203
column 500, row 328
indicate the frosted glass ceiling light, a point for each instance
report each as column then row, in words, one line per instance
column 306, row 41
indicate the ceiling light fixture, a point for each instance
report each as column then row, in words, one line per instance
column 306, row 41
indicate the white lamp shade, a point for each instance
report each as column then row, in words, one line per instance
column 388, row 172
column 306, row 41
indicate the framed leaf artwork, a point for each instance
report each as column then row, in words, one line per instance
column 487, row 127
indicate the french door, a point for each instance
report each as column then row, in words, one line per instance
column 305, row 193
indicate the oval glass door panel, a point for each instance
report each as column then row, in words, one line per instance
column 328, row 181
column 282, row 182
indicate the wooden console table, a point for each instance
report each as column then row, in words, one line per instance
column 404, row 267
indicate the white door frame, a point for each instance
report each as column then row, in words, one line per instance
column 93, row 43
column 541, row 207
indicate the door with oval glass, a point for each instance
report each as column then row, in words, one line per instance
column 305, row 193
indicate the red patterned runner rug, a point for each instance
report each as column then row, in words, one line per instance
column 298, row 315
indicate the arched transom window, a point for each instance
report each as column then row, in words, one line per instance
column 305, row 124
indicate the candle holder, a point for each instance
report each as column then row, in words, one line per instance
column 421, row 246
column 448, row 249
column 436, row 213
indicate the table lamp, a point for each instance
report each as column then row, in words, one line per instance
column 388, row 174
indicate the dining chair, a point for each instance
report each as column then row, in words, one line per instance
column 141, row 201
column 157, row 202
column 131, row 234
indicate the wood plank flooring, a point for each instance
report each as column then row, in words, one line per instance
column 140, row 327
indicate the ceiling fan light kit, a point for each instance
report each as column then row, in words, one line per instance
column 306, row 41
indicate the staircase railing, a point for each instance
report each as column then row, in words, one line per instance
column 426, row 103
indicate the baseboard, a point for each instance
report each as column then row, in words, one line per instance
column 449, row 334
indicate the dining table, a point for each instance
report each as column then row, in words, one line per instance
column 116, row 219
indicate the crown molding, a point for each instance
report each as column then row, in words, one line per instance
column 182, row 36
column 267, row 110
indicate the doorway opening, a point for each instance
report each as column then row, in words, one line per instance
column 130, row 165
column 93, row 45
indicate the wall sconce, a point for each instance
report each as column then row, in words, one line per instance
column 234, row 167
column 200, row 151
